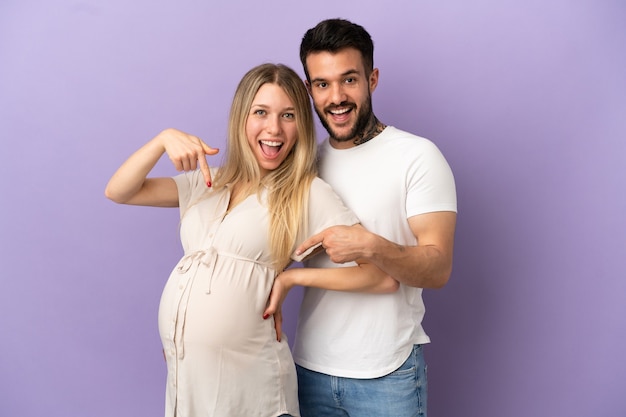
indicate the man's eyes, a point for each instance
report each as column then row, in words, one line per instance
column 350, row 80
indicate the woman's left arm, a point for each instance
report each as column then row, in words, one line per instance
column 364, row 277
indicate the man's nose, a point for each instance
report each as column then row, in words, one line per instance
column 337, row 95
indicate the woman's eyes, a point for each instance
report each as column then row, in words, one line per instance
column 261, row 112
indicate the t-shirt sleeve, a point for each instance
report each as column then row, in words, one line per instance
column 191, row 187
column 325, row 210
column 430, row 183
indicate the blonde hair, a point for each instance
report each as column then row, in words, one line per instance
column 288, row 185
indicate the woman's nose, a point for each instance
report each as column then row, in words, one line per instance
column 273, row 125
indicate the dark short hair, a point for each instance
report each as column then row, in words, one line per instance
column 332, row 35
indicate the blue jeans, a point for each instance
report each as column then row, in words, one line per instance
column 402, row 393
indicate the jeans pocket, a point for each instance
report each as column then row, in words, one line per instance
column 407, row 369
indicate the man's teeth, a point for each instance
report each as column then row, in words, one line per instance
column 271, row 143
column 340, row 111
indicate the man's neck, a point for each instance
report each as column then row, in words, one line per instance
column 372, row 129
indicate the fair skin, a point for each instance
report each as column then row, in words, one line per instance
column 340, row 87
column 271, row 127
column 341, row 91
column 130, row 185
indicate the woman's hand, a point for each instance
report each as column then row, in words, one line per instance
column 186, row 151
column 280, row 289
column 130, row 183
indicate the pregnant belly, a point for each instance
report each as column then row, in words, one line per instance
column 217, row 309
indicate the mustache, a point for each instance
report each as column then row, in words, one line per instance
column 341, row 105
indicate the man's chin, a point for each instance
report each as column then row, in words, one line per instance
column 344, row 134
column 341, row 136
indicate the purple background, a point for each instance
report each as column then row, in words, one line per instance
column 527, row 100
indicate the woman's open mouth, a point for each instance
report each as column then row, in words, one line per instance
column 270, row 148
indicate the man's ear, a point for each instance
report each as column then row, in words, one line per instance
column 373, row 80
column 307, row 84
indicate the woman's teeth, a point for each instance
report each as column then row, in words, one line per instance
column 271, row 143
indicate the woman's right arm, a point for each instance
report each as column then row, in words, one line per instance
column 130, row 183
column 361, row 278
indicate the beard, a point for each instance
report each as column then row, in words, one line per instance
column 362, row 119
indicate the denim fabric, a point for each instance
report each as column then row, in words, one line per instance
column 402, row 393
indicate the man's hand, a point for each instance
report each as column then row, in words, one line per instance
column 342, row 243
column 427, row 264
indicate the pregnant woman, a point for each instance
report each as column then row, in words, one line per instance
column 239, row 226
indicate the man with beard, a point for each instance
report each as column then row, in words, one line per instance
column 361, row 354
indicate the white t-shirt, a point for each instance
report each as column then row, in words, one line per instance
column 385, row 181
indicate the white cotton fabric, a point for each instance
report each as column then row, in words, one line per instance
column 222, row 356
column 385, row 181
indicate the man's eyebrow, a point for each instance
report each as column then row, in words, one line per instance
column 344, row 74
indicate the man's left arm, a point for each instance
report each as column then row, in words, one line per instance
column 426, row 265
